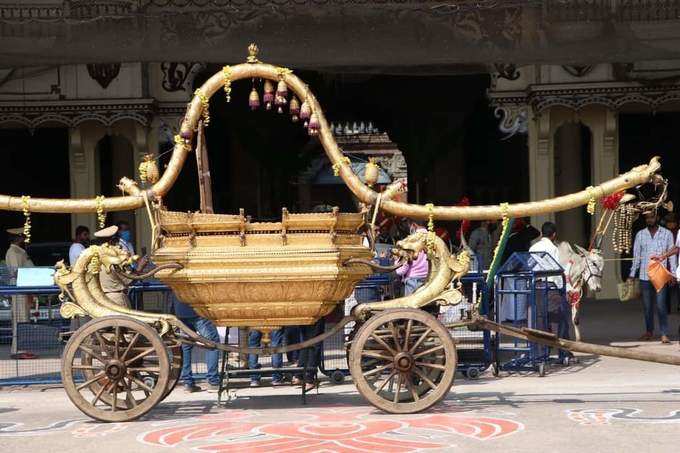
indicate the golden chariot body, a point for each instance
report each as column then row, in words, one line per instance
column 264, row 276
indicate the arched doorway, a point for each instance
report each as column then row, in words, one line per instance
column 115, row 159
column 573, row 172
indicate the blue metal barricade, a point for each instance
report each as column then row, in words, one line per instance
column 529, row 291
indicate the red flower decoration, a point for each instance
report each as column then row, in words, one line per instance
column 612, row 201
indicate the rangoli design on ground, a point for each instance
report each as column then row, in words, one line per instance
column 337, row 429
column 589, row 417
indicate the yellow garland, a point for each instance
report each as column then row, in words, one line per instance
column 592, row 203
column 101, row 215
column 180, row 141
column 282, row 72
column 27, row 216
column 226, row 75
column 142, row 172
column 205, row 112
column 336, row 166
column 430, row 227
column 505, row 212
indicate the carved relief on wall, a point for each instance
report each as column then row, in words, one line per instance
column 103, row 73
column 179, row 76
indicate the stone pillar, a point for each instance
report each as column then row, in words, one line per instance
column 569, row 179
column 541, row 173
column 83, row 175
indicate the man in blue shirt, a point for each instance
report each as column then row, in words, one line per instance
column 651, row 243
column 206, row 329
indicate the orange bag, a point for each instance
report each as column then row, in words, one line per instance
column 658, row 275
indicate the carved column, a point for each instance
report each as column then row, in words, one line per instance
column 541, row 181
column 82, row 173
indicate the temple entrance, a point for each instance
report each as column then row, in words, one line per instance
column 39, row 164
column 642, row 136
column 115, row 159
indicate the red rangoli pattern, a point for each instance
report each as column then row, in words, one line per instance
column 336, row 429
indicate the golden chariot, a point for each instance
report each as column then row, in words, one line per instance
column 264, row 276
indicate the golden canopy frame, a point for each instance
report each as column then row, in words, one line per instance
column 134, row 197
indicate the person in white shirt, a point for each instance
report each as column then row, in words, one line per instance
column 558, row 308
column 80, row 243
column 15, row 259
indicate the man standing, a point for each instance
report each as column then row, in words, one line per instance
column 114, row 285
column 650, row 243
column 15, row 258
column 254, row 341
column 80, row 243
column 125, row 237
column 481, row 244
column 206, row 329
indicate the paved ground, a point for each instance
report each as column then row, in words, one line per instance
column 601, row 404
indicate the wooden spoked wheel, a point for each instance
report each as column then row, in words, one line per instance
column 403, row 360
column 116, row 369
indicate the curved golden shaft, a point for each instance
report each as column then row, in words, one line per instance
column 134, row 199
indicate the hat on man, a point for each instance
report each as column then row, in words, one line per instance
column 107, row 232
column 16, row 231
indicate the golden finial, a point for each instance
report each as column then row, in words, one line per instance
column 253, row 50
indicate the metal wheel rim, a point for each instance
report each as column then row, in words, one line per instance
column 404, row 399
column 124, row 388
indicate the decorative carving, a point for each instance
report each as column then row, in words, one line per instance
column 507, row 71
column 514, row 119
column 179, row 76
column 103, row 73
column 578, row 70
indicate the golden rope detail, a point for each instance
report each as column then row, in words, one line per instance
column 205, row 103
column 101, row 215
column 592, row 202
column 226, row 75
column 430, row 227
column 25, row 199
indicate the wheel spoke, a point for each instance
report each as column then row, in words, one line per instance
column 140, row 355
column 377, row 370
column 396, row 394
column 429, row 351
column 115, row 397
column 375, row 355
column 102, row 342
column 133, row 342
column 90, row 381
column 384, row 345
column 149, row 369
column 387, row 379
column 409, row 324
column 91, row 352
column 131, row 401
column 412, row 389
column 99, row 393
column 141, row 384
column 422, row 376
column 431, row 365
column 116, row 342
column 395, row 336
column 86, row 367
column 420, row 340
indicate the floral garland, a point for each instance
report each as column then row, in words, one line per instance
column 226, row 75
column 505, row 213
column 336, row 166
column 101, row 215
column 592, row 202
column 181, row 142
column 430, row 227
column 25, row 199
column 205, row 103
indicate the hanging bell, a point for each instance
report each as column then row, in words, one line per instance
column 281, row 95
column 305, row 112
column 371, row 172
column 294, row 109
column 313, row 127
column 148, row 169
column 254, row 99
column 268, row 97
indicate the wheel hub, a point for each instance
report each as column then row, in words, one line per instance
column 403, row 361
column 115, row 369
